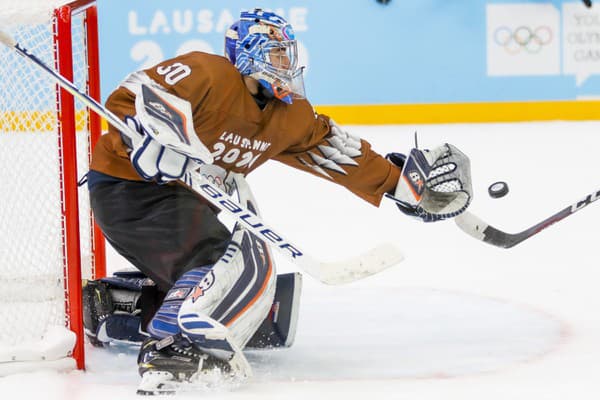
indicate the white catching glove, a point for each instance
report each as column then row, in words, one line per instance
column 166, row 146
column 434, row 184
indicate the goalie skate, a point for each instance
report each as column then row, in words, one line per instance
column 156, row 383
column 173, row 365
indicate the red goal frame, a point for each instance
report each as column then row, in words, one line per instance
column 66, row 113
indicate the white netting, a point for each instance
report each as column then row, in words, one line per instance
column 32, row 286
column 27, row 12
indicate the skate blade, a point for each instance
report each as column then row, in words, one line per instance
column 156, row 383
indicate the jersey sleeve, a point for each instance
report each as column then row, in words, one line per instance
column 343, row 159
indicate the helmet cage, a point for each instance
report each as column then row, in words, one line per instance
column 262, row 45
column 275, row 65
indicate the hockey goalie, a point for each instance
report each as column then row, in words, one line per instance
column 208, row 306
column 206, row 293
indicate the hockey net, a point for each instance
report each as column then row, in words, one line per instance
column 48, row 241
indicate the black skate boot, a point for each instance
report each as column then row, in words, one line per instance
column 169, row 364
column 173, row 354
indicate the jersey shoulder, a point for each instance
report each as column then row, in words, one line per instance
column 210, row 67
column 195, row 73
column 211, row 63
column 301, row 108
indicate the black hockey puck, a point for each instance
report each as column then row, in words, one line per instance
column 498, row 189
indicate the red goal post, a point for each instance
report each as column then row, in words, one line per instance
column 48, row 237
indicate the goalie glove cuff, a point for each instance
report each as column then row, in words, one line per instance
column 398, row 159
column 418, row 212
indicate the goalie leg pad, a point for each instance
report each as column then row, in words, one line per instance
column 97, row 306
column 121, row 328
column 164, row 322
column 238, row 293
column 116, row 308
column 278, row 329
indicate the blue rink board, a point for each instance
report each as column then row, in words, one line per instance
column 406, row 52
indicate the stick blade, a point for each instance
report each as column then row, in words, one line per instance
column 480, row 230
column 471, row 225
column 6, row 39
column 372, row 262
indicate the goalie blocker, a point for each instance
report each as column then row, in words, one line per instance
column 118, row 308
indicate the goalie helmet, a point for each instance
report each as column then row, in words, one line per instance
column 262, row 45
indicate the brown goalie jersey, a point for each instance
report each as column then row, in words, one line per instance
column 241, row 136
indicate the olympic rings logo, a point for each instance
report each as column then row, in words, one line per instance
column 523, row 38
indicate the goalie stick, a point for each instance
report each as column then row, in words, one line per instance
column 333, row 273
column 480, row 230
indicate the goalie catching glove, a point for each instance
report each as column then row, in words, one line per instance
column 434, row 184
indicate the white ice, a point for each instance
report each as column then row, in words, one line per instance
column 458, row 319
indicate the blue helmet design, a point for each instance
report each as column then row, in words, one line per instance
column 262, row 45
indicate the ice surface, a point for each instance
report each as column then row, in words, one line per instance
column 458, row 319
